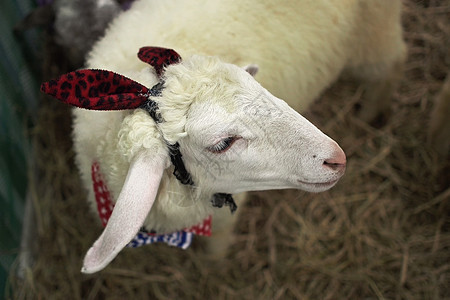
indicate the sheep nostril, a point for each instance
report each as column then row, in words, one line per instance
column 334, row 165
column 337, row 162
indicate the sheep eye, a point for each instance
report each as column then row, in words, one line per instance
column 223, row 145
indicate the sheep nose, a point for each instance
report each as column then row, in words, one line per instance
column 337, row 161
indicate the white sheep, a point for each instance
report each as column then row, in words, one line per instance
column 233, row 134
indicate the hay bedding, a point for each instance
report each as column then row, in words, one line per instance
column 381, row 233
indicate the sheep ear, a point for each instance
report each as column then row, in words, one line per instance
column 252, row 69
column 132, row 207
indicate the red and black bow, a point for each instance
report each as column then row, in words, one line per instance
column 106, row 90
column 97, row 90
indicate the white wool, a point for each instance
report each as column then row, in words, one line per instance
column 138, row 133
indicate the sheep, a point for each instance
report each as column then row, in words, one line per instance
column 78, row 24
column 230, row 132
column 75, row 24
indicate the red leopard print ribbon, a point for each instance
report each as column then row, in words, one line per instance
column 97, row 90
column 158, row 57
column 106, row 90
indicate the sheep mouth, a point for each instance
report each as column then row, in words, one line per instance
column 320, row 184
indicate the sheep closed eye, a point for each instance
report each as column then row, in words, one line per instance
column 223, row 145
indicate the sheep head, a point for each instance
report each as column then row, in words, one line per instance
column 233, row 134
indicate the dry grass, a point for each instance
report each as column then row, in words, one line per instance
column 381, row 233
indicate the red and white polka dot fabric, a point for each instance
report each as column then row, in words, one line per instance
column 102, row 195
column 202, row 228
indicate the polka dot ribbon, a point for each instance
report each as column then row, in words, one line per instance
column 181, row 239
